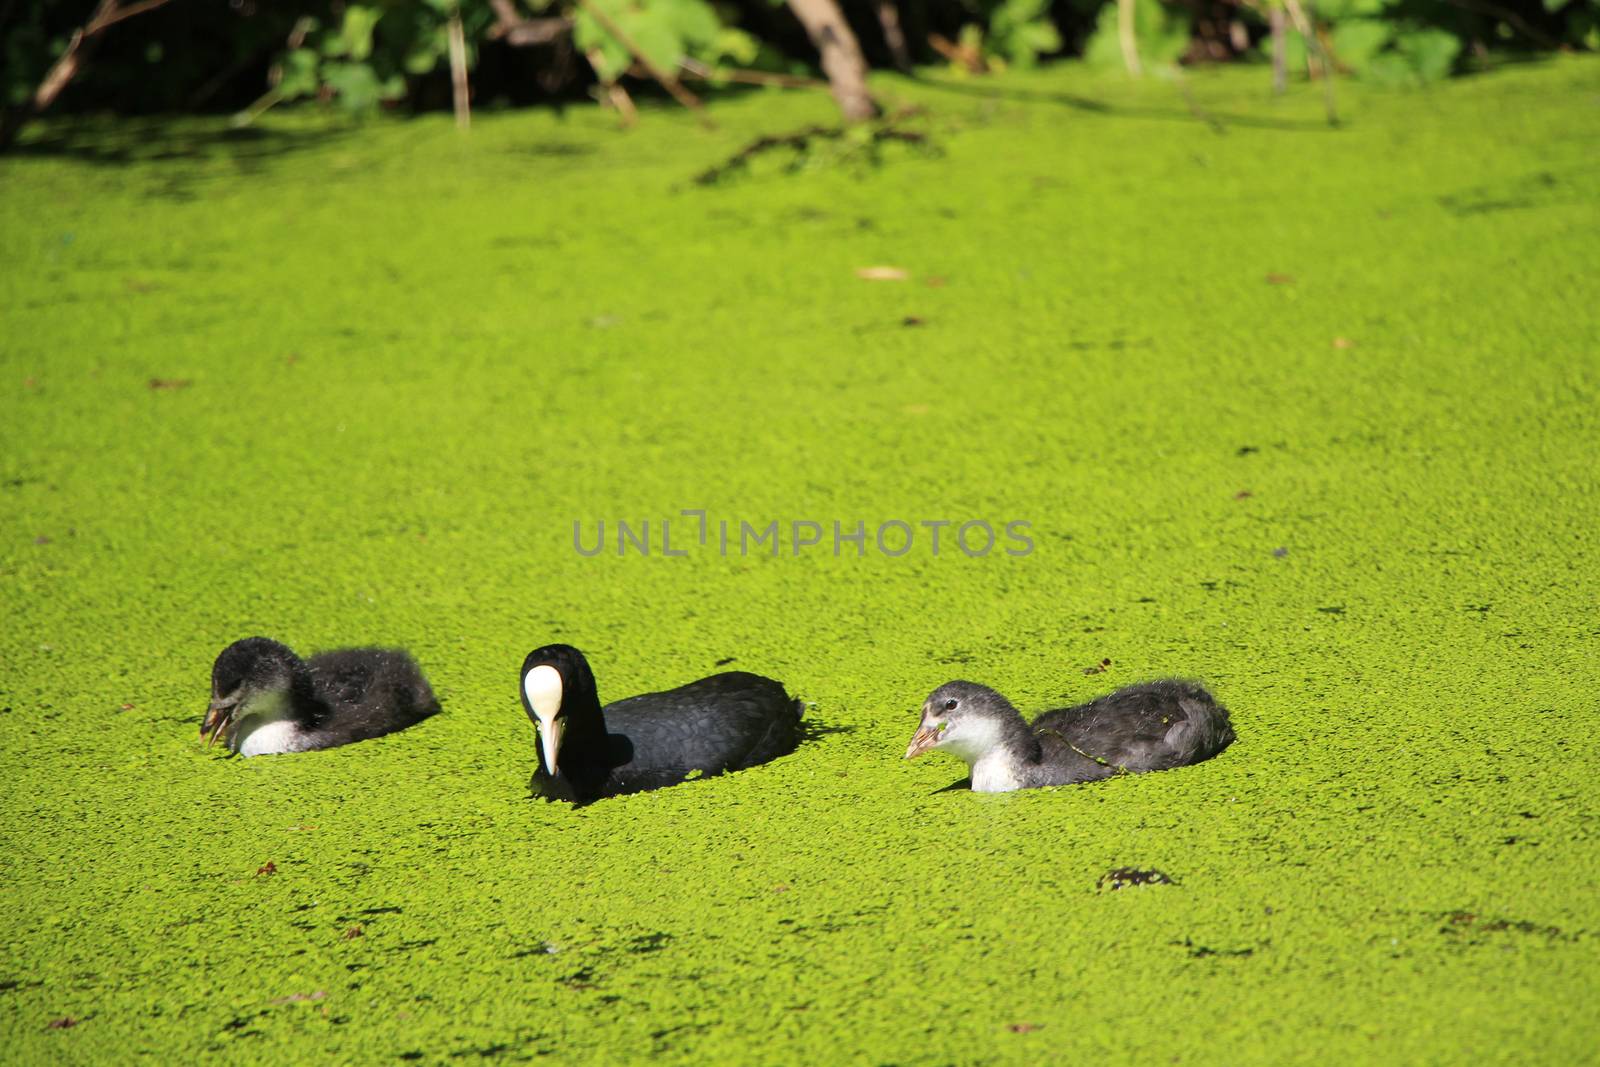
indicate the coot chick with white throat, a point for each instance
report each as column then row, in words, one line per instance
column 1152, row 726
column 726, row 722
column 268, row 700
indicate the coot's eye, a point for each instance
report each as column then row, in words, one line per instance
column 950, row 705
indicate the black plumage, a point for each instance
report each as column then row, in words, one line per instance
column 268, row 700
column 1152, row 726
column 726, row 722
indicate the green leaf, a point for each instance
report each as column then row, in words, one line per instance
column 300, row 76
column 736, row 45
column 1161, row 35
column 426, row 52
column 356, row 33
column 1339, row 10
column 611, row 58
column 653, row 34
column 1356, row 41
column 357, row 86
column 1294, row 52
column 1389, row 68
column 694, row 22
column 1431, row 53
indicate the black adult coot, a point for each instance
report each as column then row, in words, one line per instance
column 268, row 700
column 1153, row 726
column 726, row 722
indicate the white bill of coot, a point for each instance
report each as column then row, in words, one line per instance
column 726, row 722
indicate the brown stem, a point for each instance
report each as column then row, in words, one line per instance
column 460, row 89
column 889, row 19
column 616, row 95
column 1128, row 38
column 79, row 47
column 521, row 32
column 964, row 56
column 693, row 68
column 1280, row 63
column 666, row 79
column 117, row 14
column 841, row 56
column 1314, row 49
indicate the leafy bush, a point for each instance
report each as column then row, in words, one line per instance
column 193, row 54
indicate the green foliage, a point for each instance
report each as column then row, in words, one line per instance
column 666, row 31
column 362, row 58
column 1377, row 41
column 359, row 56
column 1161, row 32
column 1020, row 31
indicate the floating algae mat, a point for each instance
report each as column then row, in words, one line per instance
column 1309, row 414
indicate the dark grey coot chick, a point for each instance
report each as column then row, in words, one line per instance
column 726, row 722
column 268, row 700
column 1152, row 726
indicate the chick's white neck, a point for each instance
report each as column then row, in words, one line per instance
column 266, row 728
column 981, row 744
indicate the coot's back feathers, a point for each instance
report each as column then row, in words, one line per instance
column 726, row 722
column 723, row 723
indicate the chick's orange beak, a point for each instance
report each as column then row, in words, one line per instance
column 921, row 741
column 215, row 721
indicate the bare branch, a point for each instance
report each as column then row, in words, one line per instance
column 841, row 56
column 521, row 32
column 1127, row 38
column 104, row 19
column 889, row 19
column 693, row 68
column 66, row 67
column 460, row 90
column 665, row 78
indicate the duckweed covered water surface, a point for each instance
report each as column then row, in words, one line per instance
column 1308, row 414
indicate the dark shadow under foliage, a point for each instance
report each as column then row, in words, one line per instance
column 199, row 56
column 111, row 141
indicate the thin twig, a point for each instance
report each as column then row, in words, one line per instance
column 693, row 68
column 664, row 78
column 274, row 94
column 1314, row 48
column 460, row 89
column 616, row 95
column 117, row 14
column 505, row 14
column 889, row 20
column 1128, row 37
column 1280, row 62
column 521, row 32
column 961, row 55
column 1195, row 109
column 68, row 63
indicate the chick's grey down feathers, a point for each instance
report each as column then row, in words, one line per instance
column 1151, row 726
column 367, row 692
column 334, row 698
